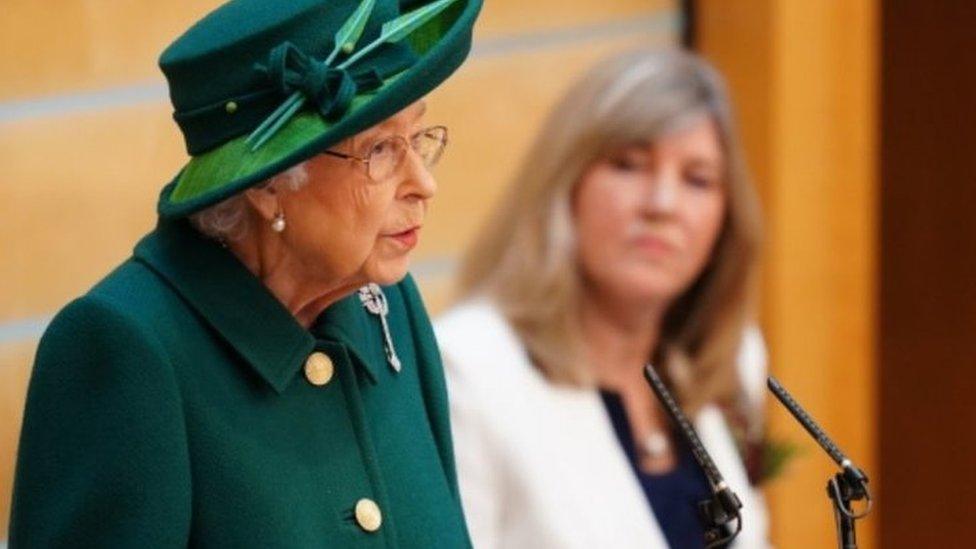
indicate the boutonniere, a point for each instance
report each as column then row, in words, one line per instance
column 765, row 457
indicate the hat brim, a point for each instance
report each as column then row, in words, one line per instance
column 220, row 173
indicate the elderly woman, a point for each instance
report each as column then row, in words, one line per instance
column 629, row 236
column 261, row 373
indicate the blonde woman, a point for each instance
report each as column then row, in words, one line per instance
column 630, row 235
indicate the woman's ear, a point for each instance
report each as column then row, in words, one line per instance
column 265, row 200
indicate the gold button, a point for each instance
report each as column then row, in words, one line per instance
column 319, row 368
column 231, row 107
column 368, row 515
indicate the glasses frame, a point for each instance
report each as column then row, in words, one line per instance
column 409, row 146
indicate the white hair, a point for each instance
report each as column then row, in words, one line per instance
column 226, row 220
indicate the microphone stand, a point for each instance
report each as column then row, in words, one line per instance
column 723, row 506
column 849, row 485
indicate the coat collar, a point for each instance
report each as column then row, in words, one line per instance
column 241, row 309
column 346, row 321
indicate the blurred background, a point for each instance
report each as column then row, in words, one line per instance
column 859, row 124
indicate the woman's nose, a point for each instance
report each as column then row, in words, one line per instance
column 418, row 181
column 661, row 195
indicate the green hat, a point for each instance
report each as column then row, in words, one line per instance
column 261, row 85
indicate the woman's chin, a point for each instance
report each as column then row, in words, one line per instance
column 644, row 287
column 389, row 272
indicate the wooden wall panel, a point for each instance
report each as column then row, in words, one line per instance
column 804, row 78
column 99, row 42
column 502, row 18
column 15, row 360
column 928, row 277
column 108, row 43
column 85, row 191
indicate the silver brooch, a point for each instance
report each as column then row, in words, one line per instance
column 373, row 299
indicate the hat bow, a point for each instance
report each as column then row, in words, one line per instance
column 330, row 89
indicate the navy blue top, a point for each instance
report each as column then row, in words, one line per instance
column 674, row 495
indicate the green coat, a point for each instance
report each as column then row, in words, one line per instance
column 170, row 406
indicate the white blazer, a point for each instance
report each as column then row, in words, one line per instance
column 540, row 466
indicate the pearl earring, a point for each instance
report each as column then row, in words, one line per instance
column 278, row 224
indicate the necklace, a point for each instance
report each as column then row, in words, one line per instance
column 656, row 445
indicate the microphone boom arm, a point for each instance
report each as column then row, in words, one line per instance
column 723, row 507
column 851, row 484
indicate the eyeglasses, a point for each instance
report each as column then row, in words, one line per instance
column 386, row 155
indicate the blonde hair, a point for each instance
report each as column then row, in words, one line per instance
column 524, row 258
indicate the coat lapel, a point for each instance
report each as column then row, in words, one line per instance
column 230, row 299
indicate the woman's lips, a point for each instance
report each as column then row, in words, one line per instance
column 408, row 238
column 655, row 245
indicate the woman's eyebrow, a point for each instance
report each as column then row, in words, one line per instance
column 638, row 146
column 704, row 163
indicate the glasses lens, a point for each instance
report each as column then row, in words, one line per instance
column 430, row 143
column 385, row 157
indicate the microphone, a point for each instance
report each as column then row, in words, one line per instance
column 843, row 488
column 724, row 505
column 852, row 473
